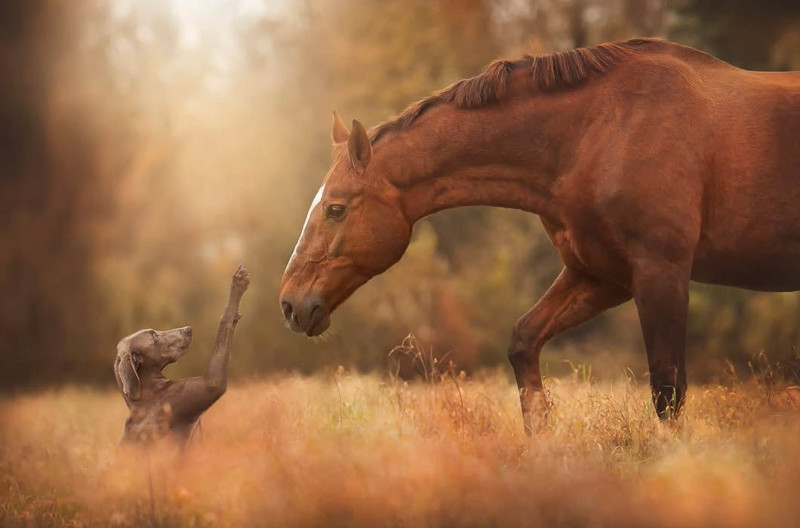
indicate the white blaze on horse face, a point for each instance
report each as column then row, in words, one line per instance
column 314, row 203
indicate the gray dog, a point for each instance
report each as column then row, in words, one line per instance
column 160, row 407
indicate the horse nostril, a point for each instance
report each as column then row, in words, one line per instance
column 288, row 311
column 316, row 314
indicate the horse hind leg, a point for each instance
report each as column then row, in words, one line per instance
column 571, row 300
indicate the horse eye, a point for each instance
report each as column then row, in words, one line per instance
column 335, row 211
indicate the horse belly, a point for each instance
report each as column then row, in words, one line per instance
column 776, row 269
column 752, row 238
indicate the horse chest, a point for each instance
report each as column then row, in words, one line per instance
column 581, row 249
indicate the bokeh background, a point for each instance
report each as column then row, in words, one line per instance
column 146, row 147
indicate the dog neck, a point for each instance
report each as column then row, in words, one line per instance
column 152, row 381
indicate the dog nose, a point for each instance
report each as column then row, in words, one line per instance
column 187, row 330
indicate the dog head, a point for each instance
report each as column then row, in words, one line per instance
column 148, row 349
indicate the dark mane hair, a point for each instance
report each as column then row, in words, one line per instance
column 548, row 72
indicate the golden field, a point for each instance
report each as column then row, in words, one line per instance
column 342, row 449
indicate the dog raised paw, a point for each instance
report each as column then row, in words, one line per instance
column 241, row 279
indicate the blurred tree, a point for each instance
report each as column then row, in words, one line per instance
column 755, row 35
column 46, row 200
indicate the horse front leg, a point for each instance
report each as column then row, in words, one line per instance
column 571, row 300
column 661, row 292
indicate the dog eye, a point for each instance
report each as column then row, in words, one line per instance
column 335, row 211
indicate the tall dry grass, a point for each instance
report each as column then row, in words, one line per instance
column 364, row 450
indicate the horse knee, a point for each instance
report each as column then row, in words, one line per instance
column 528, row 333
column 526, row 342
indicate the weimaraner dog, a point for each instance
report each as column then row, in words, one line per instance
column 160, row 407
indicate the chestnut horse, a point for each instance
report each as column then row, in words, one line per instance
column 649, row 163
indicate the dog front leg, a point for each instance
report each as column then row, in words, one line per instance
column 216, row 376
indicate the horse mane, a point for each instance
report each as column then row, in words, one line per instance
column 547, row 72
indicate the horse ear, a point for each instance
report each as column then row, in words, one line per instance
column 339, row 134
column 359, row 147
column 126, row 369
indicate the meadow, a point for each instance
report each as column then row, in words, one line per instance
column 348, row 449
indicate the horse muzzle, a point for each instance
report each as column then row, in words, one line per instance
column 308, row 316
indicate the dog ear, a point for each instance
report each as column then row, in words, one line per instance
column 126, row 369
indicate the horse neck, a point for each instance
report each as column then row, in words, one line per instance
column 498, row 156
